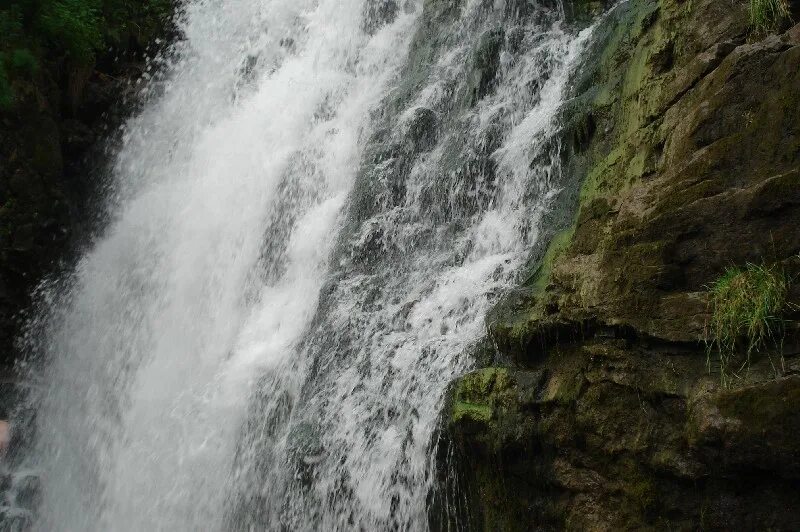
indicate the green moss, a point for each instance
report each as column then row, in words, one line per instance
column 626, row 97
column 477, row 394
column 746, row 308
column 565, row 388
column 473, row 412
column 479, row 385
column 610, row 99
column 558, row 244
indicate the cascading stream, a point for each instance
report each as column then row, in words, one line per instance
column 311, row 217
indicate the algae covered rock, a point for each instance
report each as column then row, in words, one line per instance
column 486, row 404
column 617, row 435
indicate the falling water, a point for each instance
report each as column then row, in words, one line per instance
column 309, row 221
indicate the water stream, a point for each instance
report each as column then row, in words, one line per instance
column 310, row 218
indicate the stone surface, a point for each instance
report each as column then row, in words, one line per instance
column 598, row 410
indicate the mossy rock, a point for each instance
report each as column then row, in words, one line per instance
column 485, row 63
column 754, row 425
column 477, row 395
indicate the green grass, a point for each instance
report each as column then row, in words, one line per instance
column 746, row 308
column 766, row 16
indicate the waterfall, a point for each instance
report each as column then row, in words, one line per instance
column 309, row 220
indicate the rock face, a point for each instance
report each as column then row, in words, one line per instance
column 598, row 411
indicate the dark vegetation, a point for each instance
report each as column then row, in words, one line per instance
column 75, row 31
column 67, row 68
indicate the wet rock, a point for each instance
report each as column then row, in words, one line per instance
column 485, row 65
column 514, row 38
column 754, row 426
column 682, row 168
column 519, row 9
column 379, row 13
column 421, row 129
column 77, row 138
column 5, row 436
column 27, row 492
column 305, row 449
column 582, row 12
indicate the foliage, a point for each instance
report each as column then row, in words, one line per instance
column 23, row 60
column 72, row 25
column 38, row 31
column 766, row 16
column 746, row 306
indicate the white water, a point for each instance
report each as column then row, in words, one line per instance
column 255, row 341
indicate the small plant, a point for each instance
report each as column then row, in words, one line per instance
column 766, row 16
column 746, row 307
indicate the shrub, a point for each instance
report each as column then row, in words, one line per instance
column 746, row 307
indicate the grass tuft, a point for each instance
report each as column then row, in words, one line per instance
column 767, row 16
column 746, row 308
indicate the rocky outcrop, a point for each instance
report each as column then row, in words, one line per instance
column 598, row 410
